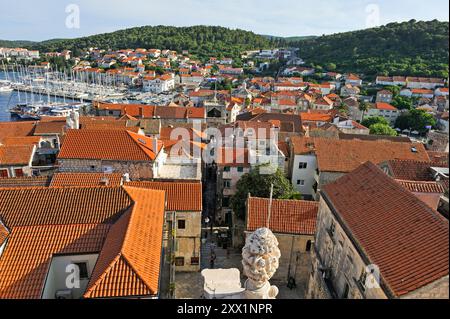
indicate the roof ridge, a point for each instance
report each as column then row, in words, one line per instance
column 92, row 287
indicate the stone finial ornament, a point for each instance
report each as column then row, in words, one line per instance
column 260, row 257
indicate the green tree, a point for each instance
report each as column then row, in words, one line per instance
column 416, row 120
column 368, row 122
column 382, row 129
column 259, row 185
column 363, row 107
column 402, row 102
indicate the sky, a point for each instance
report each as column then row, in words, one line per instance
column 49, row 19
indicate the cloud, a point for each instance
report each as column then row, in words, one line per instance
column 25, row 19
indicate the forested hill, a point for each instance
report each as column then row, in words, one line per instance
column 204, row 41
column 409, row 48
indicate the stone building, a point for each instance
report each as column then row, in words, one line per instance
column 315, row 162
column 183, row 221
column 111, row 151
column 374, row 240
column 293, row 222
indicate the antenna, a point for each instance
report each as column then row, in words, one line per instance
column 270, row 206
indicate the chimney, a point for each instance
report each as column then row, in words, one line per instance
column 126, row 178
column 104, row 181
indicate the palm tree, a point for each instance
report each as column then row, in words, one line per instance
column 363, row 107
column 342, row 108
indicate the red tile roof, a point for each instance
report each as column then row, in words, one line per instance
column 25, row 140
column 28, row 254
column 129, row 264
column 181, row 197
column 287, row 216
column 422, row 187
column 346, row 155
column 16, row 129
column 124, row 225
column 410, row 170
column 50, row 128
column 25, row 182
column 108, row 145
column 16, row 154
column 384, row 106
column 85, row 179
column 394, row 229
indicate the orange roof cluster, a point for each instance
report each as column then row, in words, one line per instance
column 181, row 196
column 150, row 111
column 395, row 230
column 287, row 216
column 86, row 179
column 123, row 224
column 117, row 145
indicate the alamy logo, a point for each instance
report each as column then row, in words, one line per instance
column 73, row 17
column 73, row 277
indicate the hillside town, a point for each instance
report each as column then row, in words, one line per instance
column 166, row 164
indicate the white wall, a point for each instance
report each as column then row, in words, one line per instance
column 56, row 276
column 304, row 174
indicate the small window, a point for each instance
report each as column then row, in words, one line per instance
column 195, row 261
column 240, row 169
column 227, row 169
column 82, row 267
column 227, row 183
column 301, row 182
column 302, row 165
column 226, row 202
column 18, row 172
column 181, row 224
column 179, row 261
column 308, row 245
column 4, row 173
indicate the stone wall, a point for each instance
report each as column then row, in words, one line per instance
column 137, row 170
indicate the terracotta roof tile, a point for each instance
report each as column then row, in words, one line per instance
column 51, row 206
column 27, row 257
column 396, row 231
column 130, row 263
column 16, row 154
column 180, row 196
column 107, row 145
column 287, row 216
column 422, row 187
column 25, row 140
column 16, row 129
column 50, row 128
column 40, row 181
column 410, row 170
column 124, row 225
column 85, row 179
column 346, row 155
